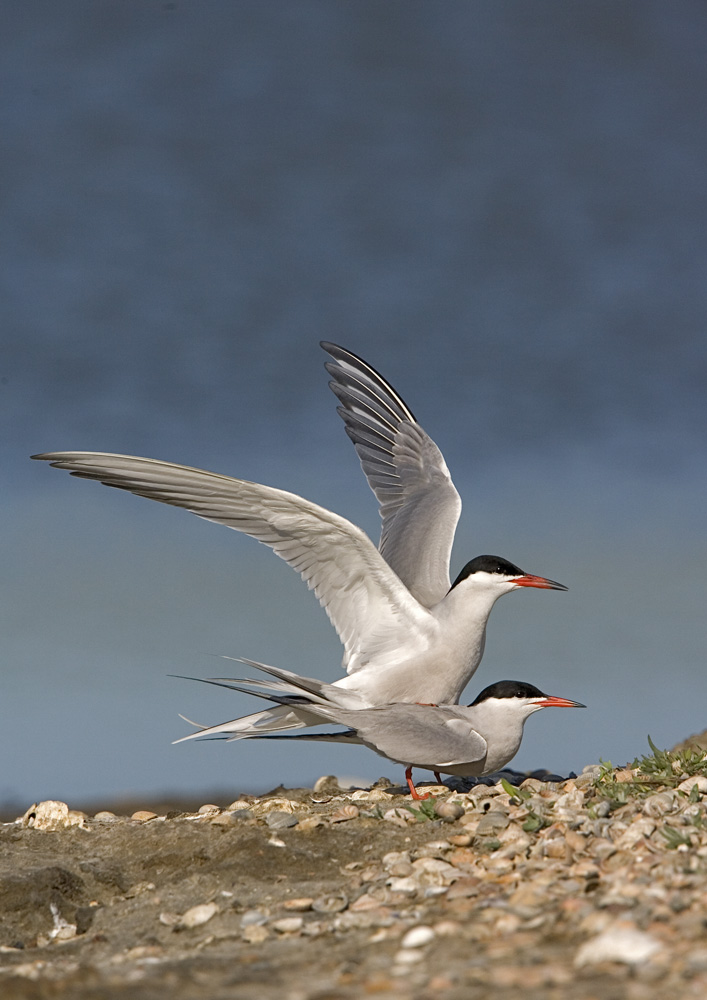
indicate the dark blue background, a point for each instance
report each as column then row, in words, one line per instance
column 501, row 206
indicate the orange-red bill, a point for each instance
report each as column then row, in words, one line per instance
column 538, row 581
column 552, row 702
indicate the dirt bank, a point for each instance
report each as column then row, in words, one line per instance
column 562, row 891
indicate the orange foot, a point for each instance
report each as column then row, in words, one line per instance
column 413, row 791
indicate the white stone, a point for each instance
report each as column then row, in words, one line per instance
column 62, row 930
column 393, row 858
column 406, row 885
column 434, row 865
column 640, row 828
column 105, row 816
column 255, row 934
column 696, row 779
column 198, row 915
column 399, row 816
column 408, row 956
column 622, row 942
column 288, row 925
column 418, row 937
column 573, row 799
column 52, row 815
column 659, row 804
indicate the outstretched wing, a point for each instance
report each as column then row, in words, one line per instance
column 374, row 614
column 419, row 505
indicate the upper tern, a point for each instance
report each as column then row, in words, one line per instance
column 407, row 635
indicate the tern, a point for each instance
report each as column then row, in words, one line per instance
column 409, row 635
column 475, row 740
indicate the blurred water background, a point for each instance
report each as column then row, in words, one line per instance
column 500, row 206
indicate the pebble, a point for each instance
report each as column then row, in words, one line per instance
column 698, row 780
column 328, row 784
column 198, row 915
column 280, row 820
column 239, row 814
column 255, row 934
column 301, row 904
column 287, row 925
column 344, row 813
column 395, row 858
column 399, row 816
column 261, row 807
column 492, row 822
column 418, row 937
column 407, row 956
column 659, row 804
column 330, row 904
column 449, row 810
column 622, row 942
column 640, row 828
column 309, row 823
column 52, row 815
column 105, row 816
column 239, row 804
column 143, row 816
column 223, row 819
column 406, row 885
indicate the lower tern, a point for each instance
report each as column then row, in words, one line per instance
column 470, row 741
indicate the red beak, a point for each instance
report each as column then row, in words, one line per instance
column 552, row 702
column 538, row 581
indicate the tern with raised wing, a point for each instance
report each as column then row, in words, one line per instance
column 409, row 635
column 470, row 741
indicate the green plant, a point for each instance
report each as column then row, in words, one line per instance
column 670, row 767
column 659, row 768
column 426, row 812
column 518, row 796
column 675, row 838
column 616, row 792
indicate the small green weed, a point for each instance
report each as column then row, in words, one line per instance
column 659, row 768
column 675, row 838
column 518, row 796
column 426, row 812
column 670, row 767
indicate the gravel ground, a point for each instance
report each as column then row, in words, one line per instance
column 591, row 887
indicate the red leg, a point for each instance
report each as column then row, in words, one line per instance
column 413, row 791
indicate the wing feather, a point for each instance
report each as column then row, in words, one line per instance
column 421, row 735
column 370, row 608
column 419, row 505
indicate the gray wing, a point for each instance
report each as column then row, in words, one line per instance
column 372, row 611
column 419, row 505
column 422, row 735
